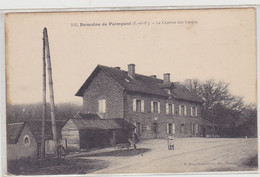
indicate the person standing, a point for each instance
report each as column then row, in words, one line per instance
column 170, row 142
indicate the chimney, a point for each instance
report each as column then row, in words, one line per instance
column 166, row 78
column 187, row 84
column 153, row 76
column 131, row 71
column 117, row 67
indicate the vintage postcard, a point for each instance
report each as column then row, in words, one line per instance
column 131, row 92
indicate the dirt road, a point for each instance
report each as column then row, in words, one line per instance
column 190, row 155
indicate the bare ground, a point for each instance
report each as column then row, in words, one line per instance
column 190, row 155
column 152, row 156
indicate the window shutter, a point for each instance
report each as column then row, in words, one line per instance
column 134, row 105
column 159, row 107
column 151, row 106
column 135, row 127
column 173, row 128
column 179, row 109
column 142, row 105
column 99, row 105
column 104, row 106
column 172, row 109
column 167, row 128
column 167, row 108
column 191, row 113
column 196, row 111
column 185, row 112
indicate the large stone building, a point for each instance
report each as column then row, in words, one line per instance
column 156, row 107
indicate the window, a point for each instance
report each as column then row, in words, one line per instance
column 138, row 105
column 169, row 108
column 182, row 110
column 102, row 106
column 155, row 107
column 193, row 111
column 169, row 91
column 170, row 128
column 26, row 140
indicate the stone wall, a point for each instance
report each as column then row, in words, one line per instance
column 104, row 87
column 148, row 120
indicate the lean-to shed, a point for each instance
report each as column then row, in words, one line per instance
column 88, row 131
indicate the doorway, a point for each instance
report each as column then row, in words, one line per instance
column 155, row 129
column 182, row 130
column 203, row 131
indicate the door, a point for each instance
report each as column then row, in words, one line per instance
column 182, row 130
column 204, row 131
column 155, row 129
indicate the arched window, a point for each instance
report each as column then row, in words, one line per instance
column 26, row 140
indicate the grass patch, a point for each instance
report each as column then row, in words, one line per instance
column 53, row 166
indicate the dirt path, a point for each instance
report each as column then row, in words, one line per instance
column 190, row 155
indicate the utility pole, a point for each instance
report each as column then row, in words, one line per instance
column 43, row 101
column 53, row 122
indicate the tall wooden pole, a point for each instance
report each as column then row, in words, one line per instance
column 54, row 131
column 43, row 101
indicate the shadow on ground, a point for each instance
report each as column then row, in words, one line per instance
column 252, row 162
column 124, row 152
column 53, row 166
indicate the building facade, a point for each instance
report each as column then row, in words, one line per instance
column 156, row 107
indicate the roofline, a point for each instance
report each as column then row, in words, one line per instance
column 79, row 92
column 164, row 96
column 92, row 74
column 16, row 123
column 202, row 101
column 111, row 77
column 19, row 134
column 80, row 89
column 189, row 100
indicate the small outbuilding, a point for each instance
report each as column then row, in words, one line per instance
column 87, row 131
column 24, row 139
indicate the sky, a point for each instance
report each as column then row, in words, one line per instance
column 215, row 44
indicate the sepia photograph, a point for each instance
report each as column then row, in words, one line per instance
column 160, row 91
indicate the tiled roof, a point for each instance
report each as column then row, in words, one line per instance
column 101, row 124
column 13, row 132
column 36, row 129
column 89, row 116
column 141, row 83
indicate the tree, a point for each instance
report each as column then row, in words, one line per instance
column 216, row 97
column 26, row 112
column 224, row 109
